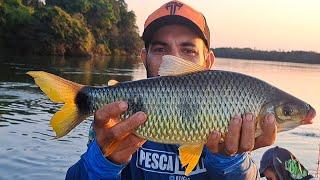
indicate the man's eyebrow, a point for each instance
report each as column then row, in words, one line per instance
column 188, row 44
column 158, row 43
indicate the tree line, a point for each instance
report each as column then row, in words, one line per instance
column 68, row 27
column 248, row 53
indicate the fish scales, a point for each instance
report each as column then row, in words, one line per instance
column 181, row 109
column 186, row 108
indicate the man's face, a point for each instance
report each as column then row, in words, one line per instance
column 176, row 40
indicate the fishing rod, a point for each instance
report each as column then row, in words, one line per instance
column 318, row 169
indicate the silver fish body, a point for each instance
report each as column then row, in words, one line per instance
column 184, row 105
column 186, row 108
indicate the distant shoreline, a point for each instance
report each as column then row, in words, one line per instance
column 234, row 53
column 280, row 56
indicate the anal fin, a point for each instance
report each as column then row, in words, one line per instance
column 189, row 156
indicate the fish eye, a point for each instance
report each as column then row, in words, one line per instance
column 287, row 111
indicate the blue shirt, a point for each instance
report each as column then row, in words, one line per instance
column 157, row 161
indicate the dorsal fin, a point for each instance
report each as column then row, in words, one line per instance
column 172, row 66
column 112, row 82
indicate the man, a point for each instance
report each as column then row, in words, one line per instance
column 174, row 29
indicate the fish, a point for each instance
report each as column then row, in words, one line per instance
column 184, row 104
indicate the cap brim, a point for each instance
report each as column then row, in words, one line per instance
column 262, row 169
column 266, row 161
column 169, row 20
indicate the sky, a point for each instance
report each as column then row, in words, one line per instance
column 259, row 24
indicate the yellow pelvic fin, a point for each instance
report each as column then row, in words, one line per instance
column 189, row 156
column 172, row 66
column 112, row 82
column 60, row 90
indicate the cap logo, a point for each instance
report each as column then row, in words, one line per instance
column 172, row 7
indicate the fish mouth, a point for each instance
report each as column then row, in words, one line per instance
column 310, row 115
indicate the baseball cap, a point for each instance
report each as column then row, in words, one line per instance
column 176, row 12
column 284, row 163
column 266, row 161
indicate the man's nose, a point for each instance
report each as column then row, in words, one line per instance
column 174, row 52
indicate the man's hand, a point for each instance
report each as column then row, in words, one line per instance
column 241, row 135
column 109, row 130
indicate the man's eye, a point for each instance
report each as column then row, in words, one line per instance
column 287, row 111
column 159, row 50
column 189, row 52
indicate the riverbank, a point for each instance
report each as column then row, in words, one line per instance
column 308, row 57
column 68, row 28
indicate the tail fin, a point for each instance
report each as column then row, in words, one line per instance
column 60, row 90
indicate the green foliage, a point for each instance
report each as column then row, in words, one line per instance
column 14, row 18
column 128, row 39
column 74, row 6
column 102, row 49
column 64, row 34
column 33, row 3
column 112, row 26
column 64, row 27
column 14, row 13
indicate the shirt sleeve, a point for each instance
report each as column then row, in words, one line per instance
column 239, row 166
column 93, row 165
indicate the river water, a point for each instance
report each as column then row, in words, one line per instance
column 27, row 147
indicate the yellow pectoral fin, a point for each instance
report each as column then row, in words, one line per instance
column 189, row 156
